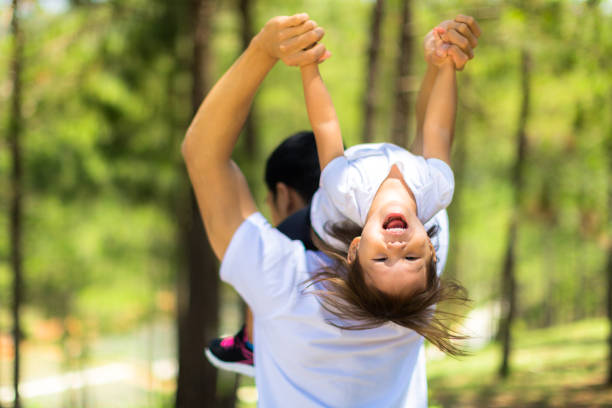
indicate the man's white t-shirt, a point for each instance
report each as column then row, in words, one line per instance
column 300, row 359
column 350, row 182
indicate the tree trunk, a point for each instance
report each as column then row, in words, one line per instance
column 455, row 210
column 198, row 288
column 401, row 117
column 370, row 99
column 16, row 206
column 250, row 130
column 508, row 276
column 609, row 263
column 609, row 278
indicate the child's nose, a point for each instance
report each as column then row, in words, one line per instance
column 396, row 245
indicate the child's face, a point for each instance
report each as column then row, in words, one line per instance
column 393, row 252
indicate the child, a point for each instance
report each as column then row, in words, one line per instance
column 369, row 211
column 229, row 353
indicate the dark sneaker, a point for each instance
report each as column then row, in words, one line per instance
column 232, row 354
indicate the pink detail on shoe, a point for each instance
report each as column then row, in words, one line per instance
column 227, row 342
column 248, row 354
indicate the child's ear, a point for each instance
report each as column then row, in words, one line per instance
column 352, row 251
column 433, row 252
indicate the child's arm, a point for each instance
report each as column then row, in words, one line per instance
column 439, row 121
column 322, row 116
column 439, row 125
column 421, row 107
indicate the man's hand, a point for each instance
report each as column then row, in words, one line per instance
column 292, row 39
column 459, row 38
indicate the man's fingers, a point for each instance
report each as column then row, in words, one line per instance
column 290, row 32
column 457, row 39
column 464, row 30
column 471, row 23
column 459, row 57
column 292, row 21
column 303, row 41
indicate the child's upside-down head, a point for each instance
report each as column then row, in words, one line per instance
column 387, row 280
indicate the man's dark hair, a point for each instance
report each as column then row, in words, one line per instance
column 295, row 162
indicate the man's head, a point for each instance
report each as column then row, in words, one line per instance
column 292, row 175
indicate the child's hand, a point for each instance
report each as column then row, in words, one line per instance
column 460, row 37
column 326, row 55
column 436, row 49
column 292, row 39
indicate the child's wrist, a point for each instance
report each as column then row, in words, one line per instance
column 447, row 65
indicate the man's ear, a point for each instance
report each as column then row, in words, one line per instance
column 288, row 200
column 296, row 202
column 281, row 199
column 352, row 251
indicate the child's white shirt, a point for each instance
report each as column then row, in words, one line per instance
column 350, row 182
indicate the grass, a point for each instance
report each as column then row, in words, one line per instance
column 564, row 366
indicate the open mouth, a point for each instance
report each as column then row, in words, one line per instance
column 395, row 222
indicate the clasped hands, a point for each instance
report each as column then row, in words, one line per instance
column 295, row 40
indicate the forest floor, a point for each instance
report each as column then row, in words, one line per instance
column 564, row 366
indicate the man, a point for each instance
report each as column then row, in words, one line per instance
column 292, row 177
column 301, row 359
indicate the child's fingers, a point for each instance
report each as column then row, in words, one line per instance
column 439, row 30
column 306, row 57
column 326, row 55
column 303, row 41
column 294, row 20
column 471, row 23
column 290, row 32
column 438, row 42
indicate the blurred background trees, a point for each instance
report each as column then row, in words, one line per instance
column 115, row 266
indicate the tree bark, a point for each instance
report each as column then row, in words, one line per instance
column 401, row 117
column 198, row 288
column 250, row 130
column 508, row 276
column 16, row 206
column 609, row 279
column 370, row 98
column 455, row 212
column 609, row 263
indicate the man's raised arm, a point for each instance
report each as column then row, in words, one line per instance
column 221, row 190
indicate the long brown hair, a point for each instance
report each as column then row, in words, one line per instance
column 347, row 295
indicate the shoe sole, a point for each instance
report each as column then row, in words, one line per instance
column 239, row 368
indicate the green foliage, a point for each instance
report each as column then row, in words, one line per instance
column 107, row 100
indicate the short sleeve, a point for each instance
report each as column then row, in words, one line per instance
column 336, row 199
column 264, row 266
column 439, row 192
column 338, row 183
column 440, row 240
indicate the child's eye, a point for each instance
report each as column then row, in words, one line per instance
column 411, row 258
column 382, row 259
